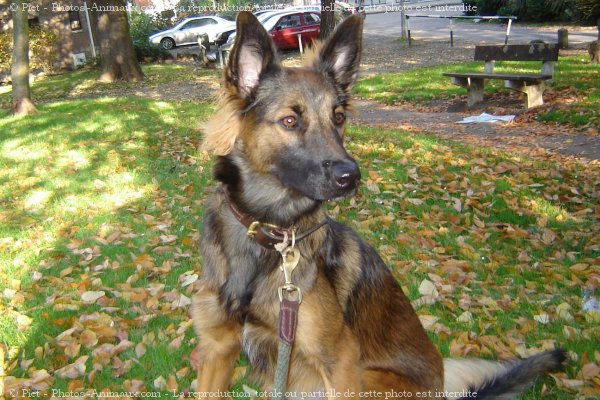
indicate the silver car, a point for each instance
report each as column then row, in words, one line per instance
column 188, row 30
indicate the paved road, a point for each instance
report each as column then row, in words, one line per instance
column 388, row 25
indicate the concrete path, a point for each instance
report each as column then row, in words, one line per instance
column 531, row 138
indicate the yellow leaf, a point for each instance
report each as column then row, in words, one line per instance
column 542, row 318
column 428, row 320
column 465, row 317
column 140, row 349
column 88, row 338
column 427, row 288
column 92, row 296
column 579, row 267
column 589, row 371
column 416, row 202
column 478, row 223
column 172, row 383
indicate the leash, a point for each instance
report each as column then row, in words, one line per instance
column 290, row 297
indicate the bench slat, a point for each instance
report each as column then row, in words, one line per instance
column 483, row 75
column 517, row 52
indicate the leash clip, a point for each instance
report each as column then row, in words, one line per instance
column 291, row 257
column 252, row 229
column 288, row 289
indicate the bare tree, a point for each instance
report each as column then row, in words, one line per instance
column 117, row 55
column 21, row 92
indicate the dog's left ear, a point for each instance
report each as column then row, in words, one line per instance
column 252, row 55
column 339, row 56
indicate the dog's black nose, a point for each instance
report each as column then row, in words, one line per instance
column 345, row 174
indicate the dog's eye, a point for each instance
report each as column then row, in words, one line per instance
column 339, row 118
column 289, row 122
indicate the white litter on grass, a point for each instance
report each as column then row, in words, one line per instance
column 486, row 118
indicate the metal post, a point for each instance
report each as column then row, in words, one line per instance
column 408, row 30
column 403, row 20
column 451, row 33
column 508, row 30
column 89, row 26
column 300, row 43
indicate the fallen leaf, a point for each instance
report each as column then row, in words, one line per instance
column 91, row 296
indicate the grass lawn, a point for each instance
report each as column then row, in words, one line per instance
column 100, row 211
column 421, row 85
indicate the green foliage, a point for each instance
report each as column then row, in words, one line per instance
column 141, row 26
column 589, row 10
column 42, row 50
column 5, row 49
column 540, row 10
column 485, row 7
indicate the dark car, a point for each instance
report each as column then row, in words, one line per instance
column 284, row 27
column 288, row 29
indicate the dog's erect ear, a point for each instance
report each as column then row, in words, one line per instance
column 340, row 54
column 252, row 54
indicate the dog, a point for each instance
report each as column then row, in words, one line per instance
column 278, row 139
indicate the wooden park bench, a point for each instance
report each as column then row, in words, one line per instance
column 533, row 85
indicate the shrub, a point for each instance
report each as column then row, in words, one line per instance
column 540, row 10
column 141, row 26
column 42, row 50
column 5, row 49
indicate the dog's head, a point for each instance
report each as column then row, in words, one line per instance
column 289, row 122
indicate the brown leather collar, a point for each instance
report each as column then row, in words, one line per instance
column 267, row 235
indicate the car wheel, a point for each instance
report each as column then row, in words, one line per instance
column 167, row 43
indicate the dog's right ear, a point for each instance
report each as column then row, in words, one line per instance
column 252, row 55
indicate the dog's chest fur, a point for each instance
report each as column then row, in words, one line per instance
column 248, row 279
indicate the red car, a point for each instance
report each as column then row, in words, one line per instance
column 285, row 29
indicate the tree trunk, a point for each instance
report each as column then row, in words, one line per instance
column 19, row 72
column 117, row 56
column 594, row 51
column 327, row 18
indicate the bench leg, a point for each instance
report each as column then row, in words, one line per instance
column 474, row 88
column 533, row 93
column 474, row 92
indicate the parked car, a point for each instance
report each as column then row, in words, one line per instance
column 263, row 17
column 187, row 31
column 286, row 28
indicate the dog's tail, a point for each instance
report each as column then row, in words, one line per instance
column 481, row 379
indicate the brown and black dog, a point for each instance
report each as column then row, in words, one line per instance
column 278, row 135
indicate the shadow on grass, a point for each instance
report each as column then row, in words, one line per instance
column 99, row 196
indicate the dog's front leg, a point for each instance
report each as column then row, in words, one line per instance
column 220, row 345
column 347, row 372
